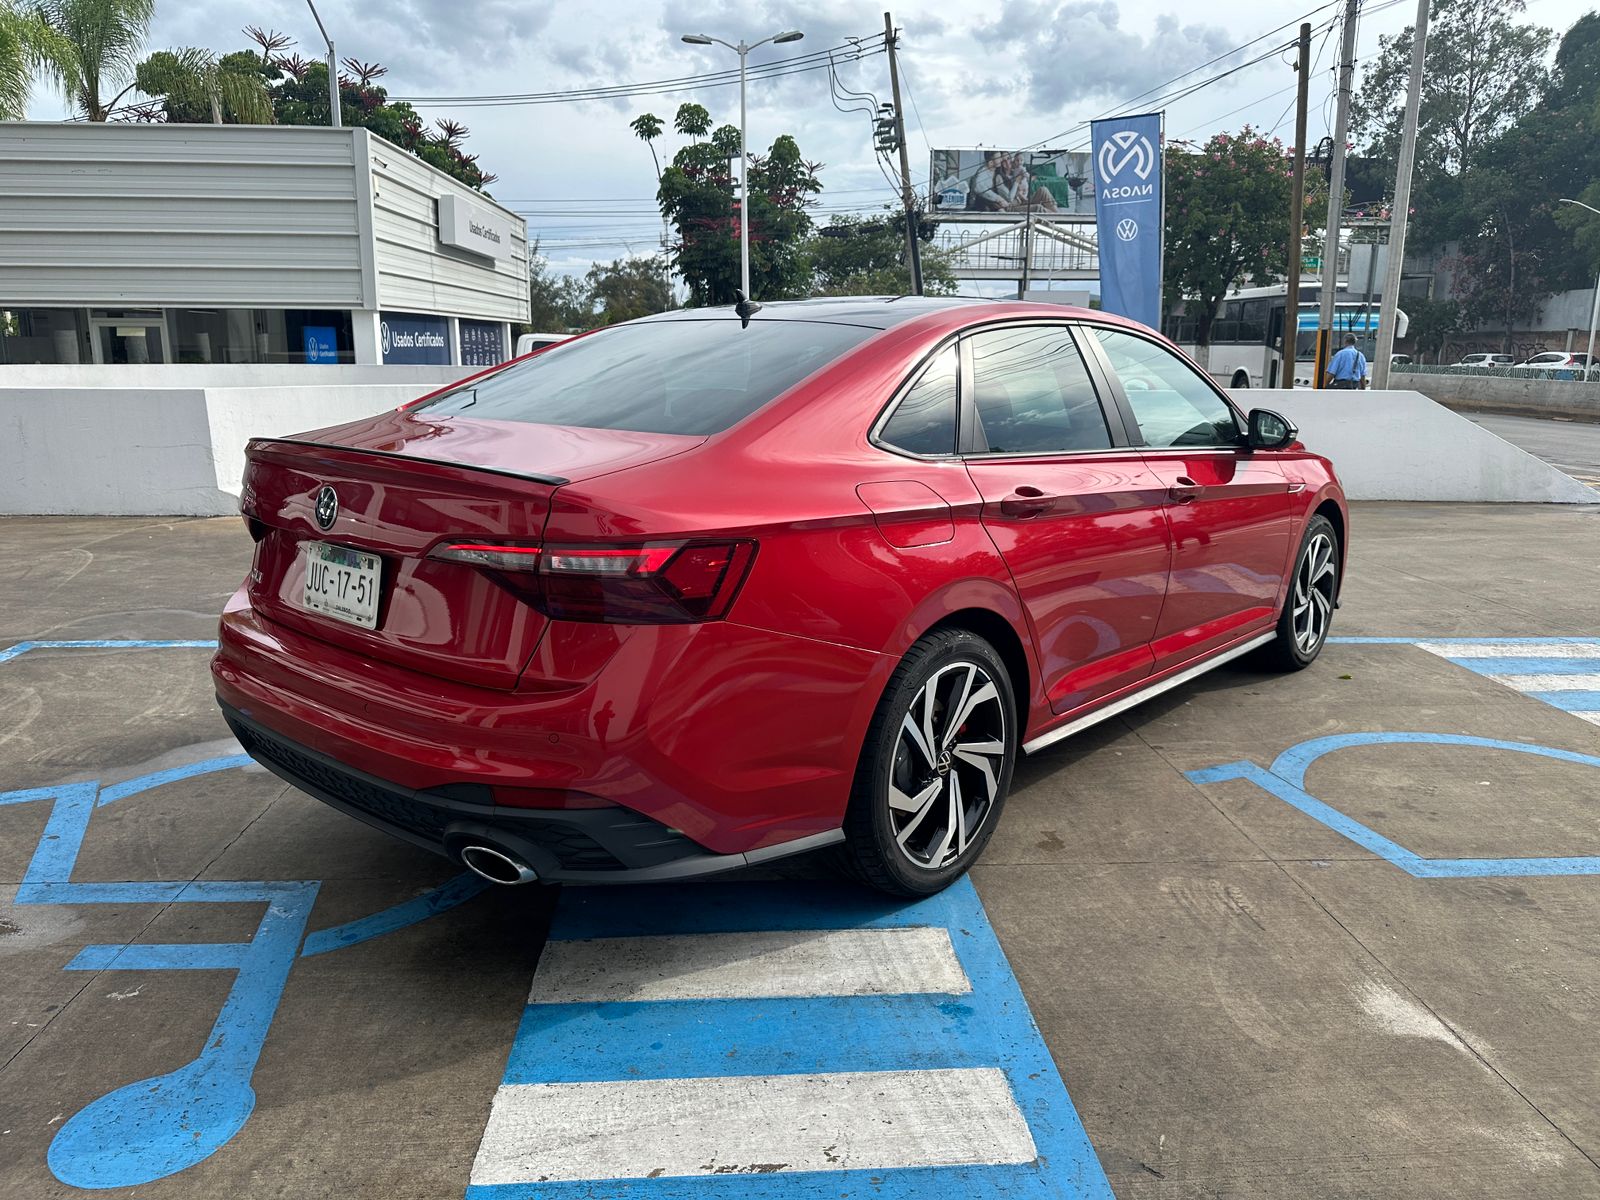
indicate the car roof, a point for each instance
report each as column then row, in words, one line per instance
column 876, row 312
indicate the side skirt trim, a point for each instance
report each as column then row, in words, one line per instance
column 1147, row 693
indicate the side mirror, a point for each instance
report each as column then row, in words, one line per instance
column 1269, row 431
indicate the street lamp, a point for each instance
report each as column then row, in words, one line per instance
column 333, row 68
column 743, row 51
column 1594, row 311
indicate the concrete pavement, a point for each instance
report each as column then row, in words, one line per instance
column 1244, row 994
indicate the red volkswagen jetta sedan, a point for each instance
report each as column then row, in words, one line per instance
column 709, row 589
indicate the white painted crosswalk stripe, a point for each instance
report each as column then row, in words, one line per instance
column 728, row 966
column 1572, row 649
column 765, row 1124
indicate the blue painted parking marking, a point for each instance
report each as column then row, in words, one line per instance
column 1286, row 778
column 663, row 1066
column 156, row 1127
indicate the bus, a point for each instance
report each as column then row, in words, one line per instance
column 1247, row 336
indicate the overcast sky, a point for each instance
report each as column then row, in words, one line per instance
column 1016, row 73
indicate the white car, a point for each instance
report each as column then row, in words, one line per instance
column 1556, row 364
column 529, row 342
column 1482, row 362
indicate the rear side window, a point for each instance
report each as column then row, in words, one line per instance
column 1173, row 405
column 689, row 377
column 924, row 422
column 1033, row 394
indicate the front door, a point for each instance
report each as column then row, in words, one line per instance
column 1227, row 506
column 1076, row 512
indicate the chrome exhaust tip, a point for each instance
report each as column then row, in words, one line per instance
column 497, row 866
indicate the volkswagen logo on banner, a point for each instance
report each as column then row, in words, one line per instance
column 327, row 510
column 1128, row 215
column 383, row 337
column 1124, row 149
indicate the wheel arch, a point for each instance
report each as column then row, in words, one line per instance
column 1334, row 512
column 1002, row 635
column 1241, row 379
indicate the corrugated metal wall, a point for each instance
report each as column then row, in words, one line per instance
column 415, row 272
column 235, row 216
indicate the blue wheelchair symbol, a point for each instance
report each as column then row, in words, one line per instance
column 1286, row 779
column 159, row 1126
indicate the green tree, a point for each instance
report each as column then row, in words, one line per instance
column 865, row 256
column 1433, row 323
column 696, row 197
column 628, row 288
column 1484, row 71
column 196, row 86
column 1228, row 220
column 99, row 45
column 27, row 43
column 556, row 303
column 1514, row 243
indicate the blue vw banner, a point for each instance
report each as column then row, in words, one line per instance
column 1128, row 211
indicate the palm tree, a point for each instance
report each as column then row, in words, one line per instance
column 103, row 38
column 195, row 77
column 26, row 43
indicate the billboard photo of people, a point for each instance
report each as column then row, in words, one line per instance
column 1047, row 182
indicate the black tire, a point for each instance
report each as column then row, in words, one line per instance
column 1292, row 649
column 918, row 850
column 1240, row 380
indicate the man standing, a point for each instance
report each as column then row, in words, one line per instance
column 1347, row 370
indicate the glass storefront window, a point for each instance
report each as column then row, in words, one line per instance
column 44, row 335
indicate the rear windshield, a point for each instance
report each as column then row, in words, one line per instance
column 692, row 377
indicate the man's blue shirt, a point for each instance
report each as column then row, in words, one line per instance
column 1348, row 364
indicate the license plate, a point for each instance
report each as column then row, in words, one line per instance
column 342, row 583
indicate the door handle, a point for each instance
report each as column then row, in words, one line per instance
column 1183, row 490
column 1026, row 502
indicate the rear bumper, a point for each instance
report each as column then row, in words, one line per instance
column 611, row 845
column 742, row 740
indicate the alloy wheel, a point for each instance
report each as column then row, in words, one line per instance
column 948, row 763
column 1313, row 594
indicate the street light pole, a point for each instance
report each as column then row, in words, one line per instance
column 743, row 51
column 1330, row 244
column 333, row 70
column 1594, row 310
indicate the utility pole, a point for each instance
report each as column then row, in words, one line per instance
column 907, row 195
column 1291, row 295
column 1330, row 243
column 1390, row 299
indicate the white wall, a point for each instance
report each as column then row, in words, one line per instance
column 1397, row 445
column 166, row 450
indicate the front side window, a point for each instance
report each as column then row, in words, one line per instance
column 1033, row 394
column 1173, row 405
column 693, row 377
column 924, row 422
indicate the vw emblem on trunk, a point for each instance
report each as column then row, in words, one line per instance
column 327, row 510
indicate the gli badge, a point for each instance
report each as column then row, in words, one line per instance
column 327, row 510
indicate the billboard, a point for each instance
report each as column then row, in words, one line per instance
column 1012, row 181
column 1128, row 179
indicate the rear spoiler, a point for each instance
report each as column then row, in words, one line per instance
column 528, row 476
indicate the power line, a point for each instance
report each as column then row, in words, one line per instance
column 852, row 50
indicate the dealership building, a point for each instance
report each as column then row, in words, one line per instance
column 239, row 245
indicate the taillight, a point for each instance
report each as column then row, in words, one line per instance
column 672, row 583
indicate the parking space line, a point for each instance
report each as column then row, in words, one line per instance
column 783, row 1097
column 1510, row 649
column 726, row 966
column 753, row 1124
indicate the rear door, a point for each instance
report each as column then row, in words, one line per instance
column 1073, row 508
column 1227, row 505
